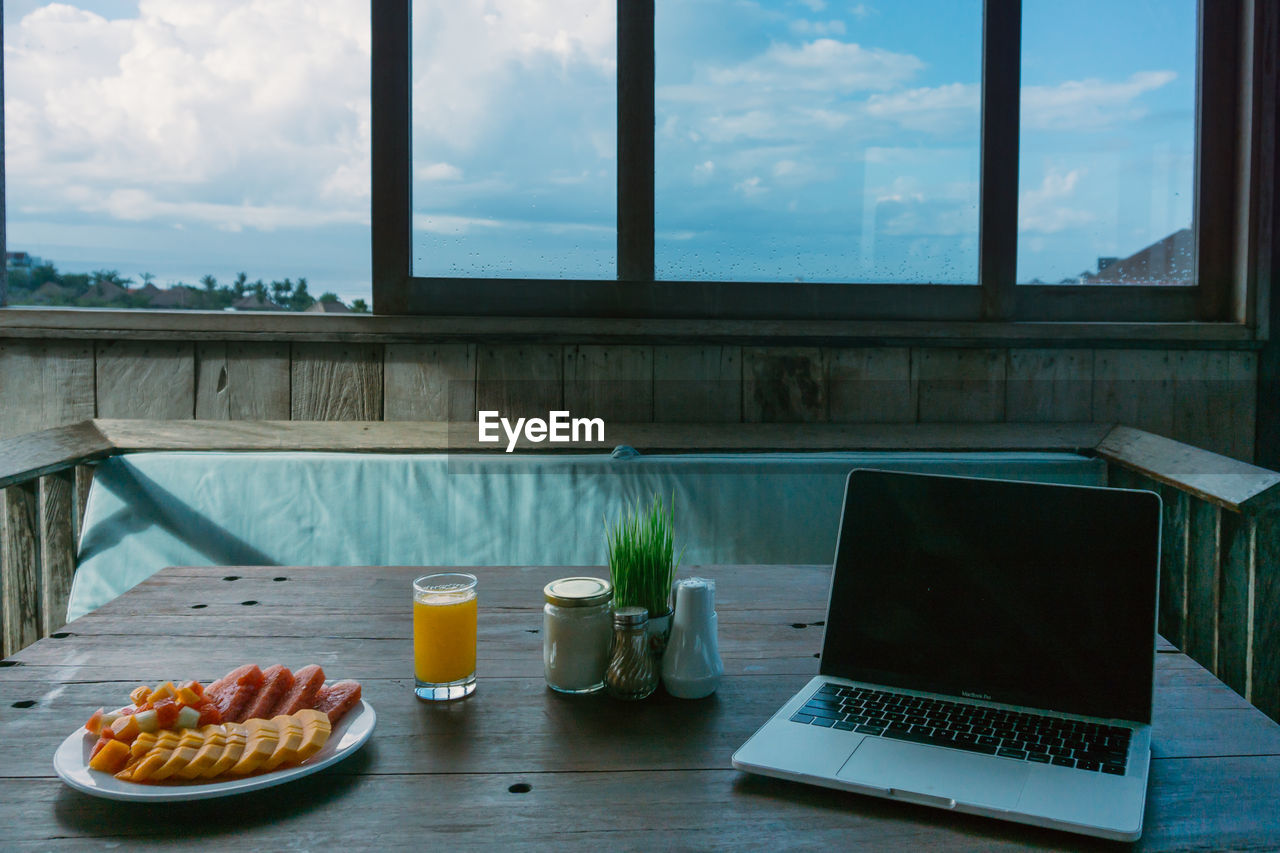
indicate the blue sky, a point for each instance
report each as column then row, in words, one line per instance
column 795, row 140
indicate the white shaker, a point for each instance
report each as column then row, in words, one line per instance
column 691, row 666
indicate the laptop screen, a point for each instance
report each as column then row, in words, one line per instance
column 1023, row 593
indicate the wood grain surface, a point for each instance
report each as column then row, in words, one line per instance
column 521, row 766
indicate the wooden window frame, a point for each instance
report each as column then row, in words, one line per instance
column 1222, row 293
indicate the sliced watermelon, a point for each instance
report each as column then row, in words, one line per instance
column 306, row 686
column 232, row 693
column 337, row 699
column 277, row 681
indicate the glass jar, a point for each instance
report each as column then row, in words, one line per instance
column 576, row 630
column 633, row 670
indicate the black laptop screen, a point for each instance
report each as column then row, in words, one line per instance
column 1023, row 593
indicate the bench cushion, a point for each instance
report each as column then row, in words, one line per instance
column 150, row 510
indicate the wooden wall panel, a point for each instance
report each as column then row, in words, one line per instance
column 1135, row 388
column 1235, row 600
column 610, row 382
column 146, row 379
column 1173, row 565
column 336, row 382
column 871, row 385
column 19, row 567
column 784, row 385
column 1264, row 662
column 430, row 382
column 44, row 384
column 240, row 380
column 1049, row 385
column 520, row 381
column 1214, row 389
column 961, row 385
column 697, row 384
column 1202, row 583
column 57, row 547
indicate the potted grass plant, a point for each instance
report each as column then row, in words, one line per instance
column 643, row 562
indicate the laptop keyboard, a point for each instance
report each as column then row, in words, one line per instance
column 974, row 728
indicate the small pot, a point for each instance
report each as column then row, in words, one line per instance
column 659, row 630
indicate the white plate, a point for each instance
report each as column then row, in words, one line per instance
column 71, row 762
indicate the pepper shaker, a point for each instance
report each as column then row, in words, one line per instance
column 632, row 672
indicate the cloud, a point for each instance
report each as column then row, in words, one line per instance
column 474, row 60
column 192, row 110
column 438, row 172
column 805, row 27
column 1044, row 209
column 941, row 109
column 1089, row 104
column 824, row 64
column 750, row 187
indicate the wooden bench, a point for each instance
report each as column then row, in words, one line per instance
column 1220, row 573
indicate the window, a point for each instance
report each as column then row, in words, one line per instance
column 889, row 169
column 156, row 150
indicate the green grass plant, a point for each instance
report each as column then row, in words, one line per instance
column 642, row 558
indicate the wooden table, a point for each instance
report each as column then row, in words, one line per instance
column 518, row 765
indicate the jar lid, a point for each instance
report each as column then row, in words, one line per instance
column 578, row 592
column 630, row 616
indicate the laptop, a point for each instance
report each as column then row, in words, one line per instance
column 989, row 648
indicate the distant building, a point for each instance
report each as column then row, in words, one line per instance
column 1167, row 261
column 327, row 308
column 181, row 296
column 49, row 292
column 21, row 261
column 254, row 302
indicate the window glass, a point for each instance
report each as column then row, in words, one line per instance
column 514, row 138
column 804, row 140
column 157, row 150
column 1107, row 143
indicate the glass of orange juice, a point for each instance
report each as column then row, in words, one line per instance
column 444, row 636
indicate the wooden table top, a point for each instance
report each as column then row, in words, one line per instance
column 519, row 765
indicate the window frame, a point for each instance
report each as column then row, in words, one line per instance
column 1221, row 292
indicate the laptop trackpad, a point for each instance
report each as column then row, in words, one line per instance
column 936, row 772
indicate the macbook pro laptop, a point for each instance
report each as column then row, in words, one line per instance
column 989, row 648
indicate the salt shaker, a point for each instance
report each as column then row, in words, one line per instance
column 691, row 667
column 632, row 672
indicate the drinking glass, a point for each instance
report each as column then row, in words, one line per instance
column 444, row 636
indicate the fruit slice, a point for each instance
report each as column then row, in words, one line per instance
column 148, row 720
column 337, row 699
column 166, row 713
column 126, row 728
column 188, row 718
column 179, row 758
column 209, row 715
column 142, row 744
column 315, row 732
column 140, row 694
column 306, row 686
column 111, row 758
column 288, row 742
column 162, row 691
column 232, row 693
column 259, row 746
column 277, row 681
column 214, row 743
column 94, row 725
column 236, row 737
column 156, row 758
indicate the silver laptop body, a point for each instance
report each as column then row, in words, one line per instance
column 988, row 648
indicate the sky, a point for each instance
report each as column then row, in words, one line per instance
column 795, row 139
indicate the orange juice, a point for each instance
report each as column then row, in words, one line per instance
column 444, row 635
